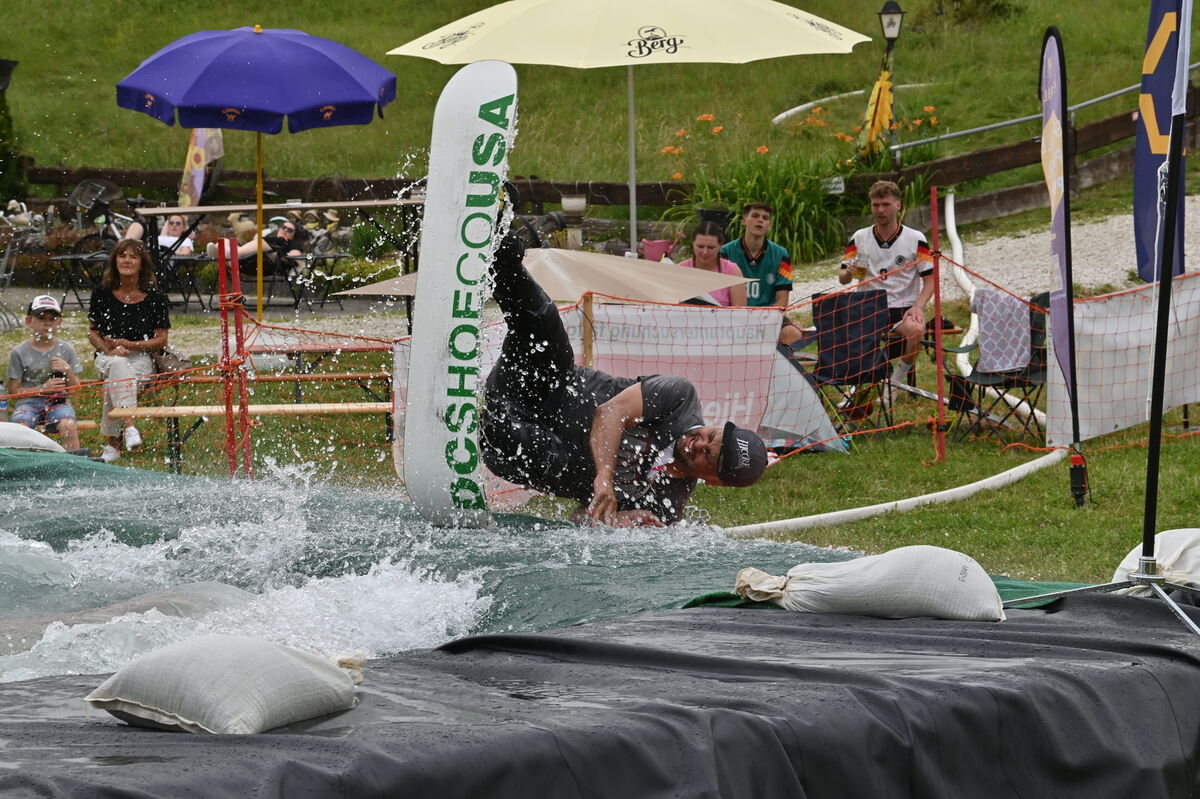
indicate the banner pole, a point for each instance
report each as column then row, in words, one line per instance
column 1158, row 375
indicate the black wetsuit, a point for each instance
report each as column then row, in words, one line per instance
column 539, row 407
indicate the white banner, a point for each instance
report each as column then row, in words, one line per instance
column 1114, row 347
column 726, row 353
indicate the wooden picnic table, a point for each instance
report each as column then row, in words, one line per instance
column 199, row 212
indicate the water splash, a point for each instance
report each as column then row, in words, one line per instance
column 328, row 568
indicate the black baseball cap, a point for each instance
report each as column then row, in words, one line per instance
column 743, row 457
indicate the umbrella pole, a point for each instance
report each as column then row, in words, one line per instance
column 632, row 165
column 259, row 218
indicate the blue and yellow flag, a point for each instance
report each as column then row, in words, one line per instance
column 1159, row 76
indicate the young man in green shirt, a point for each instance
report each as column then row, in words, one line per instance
column 767, row 262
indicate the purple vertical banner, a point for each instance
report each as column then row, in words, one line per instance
column 1053, row 93
column 1153, row 135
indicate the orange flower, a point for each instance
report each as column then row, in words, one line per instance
column 858, row 128
column 929, row 109
column 818, row 110
column 843, row 136
column 933, row 122
column 705, row 118
column 677, row 151
column 762, row 148
column 681, row 132
column 718, row 129
column 667, row 150
column 676, row 176
column 917, row 123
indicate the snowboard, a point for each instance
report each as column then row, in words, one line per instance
column 440, row 461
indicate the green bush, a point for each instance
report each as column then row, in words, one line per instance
column 366, row 242
column 808, row 217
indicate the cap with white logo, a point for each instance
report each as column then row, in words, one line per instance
column 743, row 456
column 44, row 302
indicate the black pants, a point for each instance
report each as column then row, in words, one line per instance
column 527, row 390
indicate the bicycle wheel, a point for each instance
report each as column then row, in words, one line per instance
column 90, row 264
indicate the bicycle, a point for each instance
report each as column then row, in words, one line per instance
column 96, row 199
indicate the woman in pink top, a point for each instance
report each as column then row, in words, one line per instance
column 706, row 246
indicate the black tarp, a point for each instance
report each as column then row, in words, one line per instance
column 1094, row 696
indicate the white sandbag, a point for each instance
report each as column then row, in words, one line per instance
column 18, row 436
column 1178, row 555
column 227, row 684
column 901, row 584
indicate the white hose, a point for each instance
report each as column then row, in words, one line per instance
column 855, row 514
column 961, row 359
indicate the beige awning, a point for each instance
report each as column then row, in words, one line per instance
column 566, row 275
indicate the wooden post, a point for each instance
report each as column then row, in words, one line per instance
column 587, row 305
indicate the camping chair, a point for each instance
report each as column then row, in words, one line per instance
column 852, row 356
column 1000, row 401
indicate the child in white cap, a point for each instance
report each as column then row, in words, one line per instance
column 40, row 372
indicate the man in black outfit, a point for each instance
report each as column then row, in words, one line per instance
column 630, row 451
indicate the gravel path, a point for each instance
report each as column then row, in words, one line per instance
column 1103, row 255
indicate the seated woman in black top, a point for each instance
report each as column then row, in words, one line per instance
column 129, row 318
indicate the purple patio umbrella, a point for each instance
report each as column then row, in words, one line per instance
column 254, row 78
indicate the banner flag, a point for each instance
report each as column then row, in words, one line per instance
column 1053, row 94
column 877, row 122
column 1162, row 80
column 206, row 146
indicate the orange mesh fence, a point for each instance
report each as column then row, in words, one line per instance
column 289, row 373
column 834, row 385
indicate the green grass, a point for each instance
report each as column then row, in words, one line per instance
column 983, row 69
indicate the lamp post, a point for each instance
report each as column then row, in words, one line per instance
column 891, row 18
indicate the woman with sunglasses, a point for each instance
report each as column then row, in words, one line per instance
column 287, row 239
column 173, row 228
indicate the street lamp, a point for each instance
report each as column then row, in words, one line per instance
column 891, row 17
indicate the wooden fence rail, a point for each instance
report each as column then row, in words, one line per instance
column 948, row 171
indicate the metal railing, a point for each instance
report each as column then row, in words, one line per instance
column 896, row 148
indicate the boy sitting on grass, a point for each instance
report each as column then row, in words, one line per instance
column 42, row 369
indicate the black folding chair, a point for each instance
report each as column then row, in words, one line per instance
column 852, row 361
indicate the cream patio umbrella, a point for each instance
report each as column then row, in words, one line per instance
column 607, row 33
column 567, row 275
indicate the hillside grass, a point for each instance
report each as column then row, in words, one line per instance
column 982, row 63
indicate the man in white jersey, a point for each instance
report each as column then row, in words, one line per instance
column 895, row 258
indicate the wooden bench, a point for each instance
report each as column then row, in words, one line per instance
column 173, row 413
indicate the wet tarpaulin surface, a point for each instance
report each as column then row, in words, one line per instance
column 1095, row 696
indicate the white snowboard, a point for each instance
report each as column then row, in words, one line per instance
column 473, row 129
